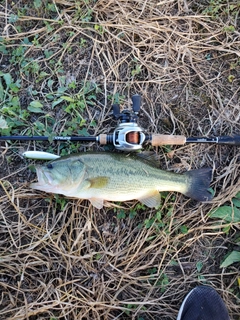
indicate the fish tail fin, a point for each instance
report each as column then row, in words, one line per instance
column 199, row 182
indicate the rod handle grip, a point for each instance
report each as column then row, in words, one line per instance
column 162, row 139
column 102, row 138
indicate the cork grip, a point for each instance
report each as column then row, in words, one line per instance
column 162, row 139
column 103, row 139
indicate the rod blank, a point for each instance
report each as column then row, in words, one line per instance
column 233, row 140
column 44, row 138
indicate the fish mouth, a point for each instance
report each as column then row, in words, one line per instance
column 45, row 180
column 44, row 177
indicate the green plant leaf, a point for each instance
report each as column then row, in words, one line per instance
column 121, row 214
column 227, row 213
column 56, row 102
column 199, row 266
column 3, row 49
column 13, row 18
column 67, row 98
column 1, row 90
column 35, row 106
column 237, row 195
column 184, row 229
column 231, row 77
column 236, row 202
column 3, row 123
column 37, row 4
column 8, row 79
column 233, row 257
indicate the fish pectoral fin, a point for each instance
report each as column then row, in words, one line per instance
column 98, row 182
column 84, row 185
column 151, row 199
column 96, row 202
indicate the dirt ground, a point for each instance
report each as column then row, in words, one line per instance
column 64, row 259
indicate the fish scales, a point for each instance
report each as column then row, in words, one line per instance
column 142, row 176
column 118, row 177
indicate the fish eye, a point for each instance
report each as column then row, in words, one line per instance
column 49, row 166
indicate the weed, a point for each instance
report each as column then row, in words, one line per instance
column 230, row 258
column 78, row 102
column 231, row 78
column 132, row 213
column 14, row 116
column 199, row 266
column 97, row 256
column 161, row 281
column 83, row 12
column 229, row 29
column 228, row 213
column 83, row 43
column 3, row 48
column 60, row 202
column 17, row 55
column 156, row 223
column 217, row 8
column 116, row 98
column 137, row 70
column 99, row 28
column 131, row 307
column 121, row 214
column 35, row 107
column 3, row 123
column 184, row 229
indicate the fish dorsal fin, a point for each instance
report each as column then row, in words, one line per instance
column 149, row 157
column 96, row 202
column 151, row 199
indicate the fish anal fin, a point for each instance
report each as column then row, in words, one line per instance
column 97, row 202
column 151, row 199
column 98, row 182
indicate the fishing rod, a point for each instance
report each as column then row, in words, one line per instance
column 129, row 136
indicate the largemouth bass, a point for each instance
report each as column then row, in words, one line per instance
column 118, row 177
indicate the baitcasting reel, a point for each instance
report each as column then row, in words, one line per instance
column 128, row 136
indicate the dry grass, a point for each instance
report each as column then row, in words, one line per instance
column 66, row 260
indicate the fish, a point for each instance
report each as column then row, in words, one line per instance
column 106, row 176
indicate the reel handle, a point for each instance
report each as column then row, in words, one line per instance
column 136, row 100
